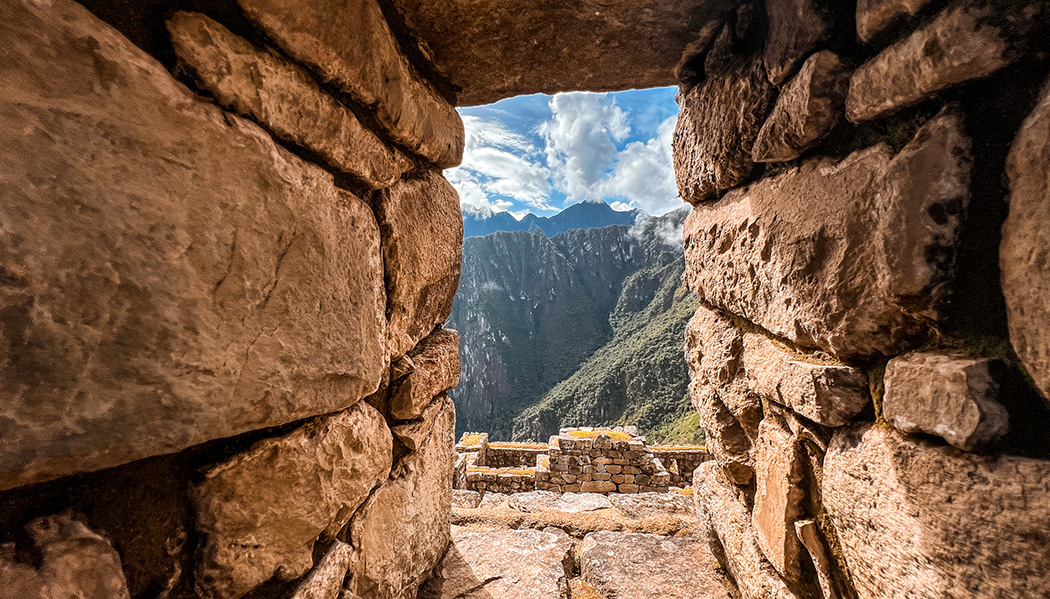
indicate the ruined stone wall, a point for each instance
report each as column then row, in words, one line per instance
column 680, row 461
column 869, row 185
column 226, row 254
column 600, row 460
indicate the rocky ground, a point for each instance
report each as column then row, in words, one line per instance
column 541, row 545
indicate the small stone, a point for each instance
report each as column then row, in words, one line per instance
column 643, row 566
column 463, row 498
column 796, row 28
column 598, row 486
column 422, row 233
column 779, row 495
column 628, row 488
column 325, row 581
column 874, row 16
column 808, row 108
column 953, row 397
column 414, row 435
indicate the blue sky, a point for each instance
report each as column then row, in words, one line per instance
column 543, row 153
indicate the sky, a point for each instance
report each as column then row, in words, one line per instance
column 543, row 153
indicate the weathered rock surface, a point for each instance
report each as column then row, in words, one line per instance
column 576, row 503
column 430, row 368
column 851, row 257
column 422, row 230
column 967, row 41
column 874, row 16
column 70, row 560
column 503, row 564
column 326, row 580
column 493, row 50
column 716, row 130
column 647, row 505
column 641, row 566
column 416, row 434
column 534, row 501
column 402, row 531
column 824, row 563
column 203, row 312
column 283, row 98
column 727, row 442
column 796, row 28
column 728, row 525
column 349, row 44
column 462, row 498
column 953, row 397
column 779, row 493
column 1024, row 256
column 808, row 108
column 261, row 511
column 917, row 520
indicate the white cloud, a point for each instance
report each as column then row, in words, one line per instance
column 581, row 140
column 644, row 173
column 621, row 206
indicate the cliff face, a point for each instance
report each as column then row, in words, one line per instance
column 594, row 313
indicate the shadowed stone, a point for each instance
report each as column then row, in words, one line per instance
column 873, row 16
column 349, row 45
column 326, row 580
column 432, row 367
column 952, row 397
column 261, row 512
column 811, row 538
column 414, row 435
column 918, row 520
column 796, row 28
column 176, row 306
column 779, row 472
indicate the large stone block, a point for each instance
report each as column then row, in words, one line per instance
column 918, row 520
column 796, row 28
column 726, row 440
column 495, row 49
column 402, row 531
column 779, row 496
column 350, row 45
column 716, row 130
column 326, row 580
column 728, row 522
column 953, row 397
column 68, row 560
column 282, row 97
column 642, row 566
column 1024, row 256
column 171, row 275
column 429, row 368
column 874, row 16
column 422, row 230
column 261, row 512
column 849, row 256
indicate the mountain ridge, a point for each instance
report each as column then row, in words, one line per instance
column 583, row 215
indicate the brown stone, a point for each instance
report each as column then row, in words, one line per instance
column 283, row 98
column 823, row 561
column 349, row 44
column 849, row 256
column 499, row 49
column 414, row 435
column 642, row 566
column 728, row 526
column 953, row 397
column 716, row 130
column 422, row 231
column 261, row 512
column 808, row 108
column 325, row 581
column 918, row 520
column 726, row 441
column 1024, row 256
column 402, row 531
column 965, row 42
column 874, row 16
column 598, row 486
column 175, row 306
column 779, row 496
column 462, row 498
column 431, row 367
column 69, row 560
column 796, row 28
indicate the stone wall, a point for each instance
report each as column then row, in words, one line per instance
column 680, row 461
column 868, row 238
column 226, row 257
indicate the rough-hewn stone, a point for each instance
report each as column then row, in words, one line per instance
column 69, row 560
column 498, row 49
column 1024, row 256
column 152, row 299
column 720, row 119
column 779, row 494
column 796, row 28
column 430, row 368
column 283, row 98
column 647, row 505
column 808, row 108
column 726, row 440
column 642, row 566
column 325, row 581
column 261, row 512
column 349, row 44
column 962, row 43
column 824, row 563
column 728, row 522
column 422, row 230
column 849, row 256
column 953, row 397
column 415, row 434
column 874, row 16
column 402, row 531
column 503, row 564
column 463, row 498
column 918, row 520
